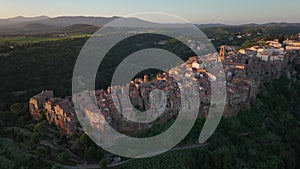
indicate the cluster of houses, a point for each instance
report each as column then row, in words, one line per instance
column 248, row 69
column 245, row 71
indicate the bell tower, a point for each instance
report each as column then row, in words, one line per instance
column 222, row 53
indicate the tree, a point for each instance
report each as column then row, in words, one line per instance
column 42, row 128
column 63, row 157
column 83, row 139
column 16, row 108
column 56, row 167
column 2, row 132
column 34, row 138
column 90, row 153
column 42, row 115
column 63, row 138
column 103, row 163
column 289, row 159
column 280, row 38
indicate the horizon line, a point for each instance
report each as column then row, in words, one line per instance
column 116, row 16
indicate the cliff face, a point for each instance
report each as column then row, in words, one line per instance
column 296, row 63
column 257, row 72
column 57, row 111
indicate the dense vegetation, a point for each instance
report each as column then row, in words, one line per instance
column 23, row 40
column 29, row 144
column 32, row 68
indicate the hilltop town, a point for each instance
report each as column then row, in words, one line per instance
column 149, row 84
column 246, row 71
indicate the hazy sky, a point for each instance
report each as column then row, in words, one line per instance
column 197, row 11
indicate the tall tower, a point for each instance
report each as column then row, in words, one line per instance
column 222, row 53
column 146, row 78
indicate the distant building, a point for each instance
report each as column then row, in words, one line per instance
column 274, row 44
column 146, row 78
column 292, row 45
column 222, row 53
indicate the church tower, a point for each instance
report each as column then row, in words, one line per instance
column 222, row 53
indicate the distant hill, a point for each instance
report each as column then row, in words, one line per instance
column 89, row 24
column 211, row 25
column 37, row 28
column 272, row 28
column 27, row 19
column 80, row 28
column 20, row 25
column 72, row 20
column 20, row 19
column 83, row 24
column 271, row 24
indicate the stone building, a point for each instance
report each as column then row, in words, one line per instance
column 58, row 111
column 62, row 114
column 36, row 103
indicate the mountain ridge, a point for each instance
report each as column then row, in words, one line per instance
column 45, row 24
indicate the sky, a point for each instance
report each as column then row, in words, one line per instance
column 196, row 11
